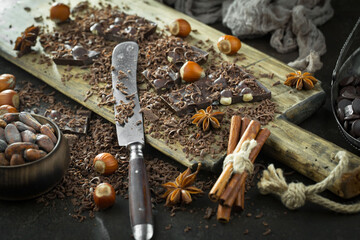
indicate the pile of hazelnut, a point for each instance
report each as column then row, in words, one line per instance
column 9, row 98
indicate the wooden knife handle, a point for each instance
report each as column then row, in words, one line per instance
column 139, row 195
column 311, row 156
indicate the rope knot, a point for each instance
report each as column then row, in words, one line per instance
column 240, row 160
column 294, row 196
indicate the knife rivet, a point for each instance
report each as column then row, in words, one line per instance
column 136, row 171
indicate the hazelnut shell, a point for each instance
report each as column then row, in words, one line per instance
column 180, row 28
column 229, row 44
column 59, row 12
column 105, row 163
column 104, row 195
column 191, row 72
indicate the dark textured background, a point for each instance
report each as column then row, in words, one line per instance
column 29, row 220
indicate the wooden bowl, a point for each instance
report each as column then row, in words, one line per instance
column 32, row 179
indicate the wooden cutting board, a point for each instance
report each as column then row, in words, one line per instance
column 301, row 150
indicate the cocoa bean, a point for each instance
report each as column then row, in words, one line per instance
column 12, row 134
column 47, row 131
column 34, row 154
column 10, row 117
column 2, row 123
column 3, row 145
column 22, row 127
column 18, row 148
column 16, row 159
column 44, row 142
column 3, row 160
column 28, row 136
column 2, row 134
column 29, row 120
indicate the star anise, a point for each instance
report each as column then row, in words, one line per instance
column 207, row 117
column 181, row 189
column 27, row 39
column 300, row 80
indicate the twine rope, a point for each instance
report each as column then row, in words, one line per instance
column 294, row 195
column 240, row 160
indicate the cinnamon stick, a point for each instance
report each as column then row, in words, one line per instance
column 224, row 177
column 223, row 213
column 244, row 124
column 235, row 134
column 238, row 180
column 240, row 201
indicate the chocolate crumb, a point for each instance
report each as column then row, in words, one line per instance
column 208, row 213
column 267, row 232
column 187, row 229
column 276, row 83
column 168, row 227
column 246, row 232
column 260, row 215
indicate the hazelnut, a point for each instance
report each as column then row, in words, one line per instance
column 180, row 28
column 7, row 109
column 229, row 44
column 104, row 195
column 9, row 97
column 7, row 81
column 105, row 163
column 59, row 12
column 191, row 72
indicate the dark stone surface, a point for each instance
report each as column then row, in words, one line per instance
column 29, row 220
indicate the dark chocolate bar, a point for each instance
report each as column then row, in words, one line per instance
column 227, row 84
column 129, row 27
column 76, row 56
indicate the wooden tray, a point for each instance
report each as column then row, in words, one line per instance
column 301, row 150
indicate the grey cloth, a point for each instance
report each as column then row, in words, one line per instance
column 292, row 23
column 206, row 11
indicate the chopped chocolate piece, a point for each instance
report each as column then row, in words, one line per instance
column 162, row 79
column 97, row 29
column 181, row 54
column 71, row 124
column 149, row 114
column 129, row 27
column 76, row 56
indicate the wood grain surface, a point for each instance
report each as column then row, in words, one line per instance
column 287, row 143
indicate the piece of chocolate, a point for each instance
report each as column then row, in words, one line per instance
column 220, row 87
column 162, row 79
column 181, row 54
column 355, row 129
column 129, row 27
column 76, row 56
column 356, row 105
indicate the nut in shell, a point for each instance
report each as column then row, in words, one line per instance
column 191, row 72
column 180, row 28
column 104, row 195
column 229, row 44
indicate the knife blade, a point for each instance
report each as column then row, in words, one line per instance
column 131, row 134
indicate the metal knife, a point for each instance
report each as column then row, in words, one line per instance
column 131, row 135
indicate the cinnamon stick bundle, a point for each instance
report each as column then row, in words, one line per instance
column 238, row 180
column 219, row 186
column 233, row 191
